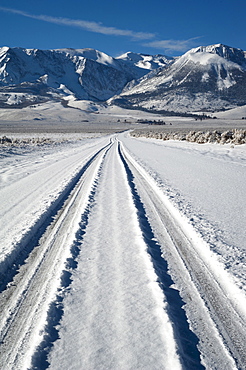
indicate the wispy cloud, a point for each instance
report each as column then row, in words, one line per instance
column 172, row 45
column 85, row 25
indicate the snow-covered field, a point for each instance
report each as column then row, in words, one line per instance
column 122, row 253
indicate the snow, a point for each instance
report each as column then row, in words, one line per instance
column 84, row 73
column 205, row 58
column 235, row 113
column 16, row 98
column 114, row 311
column 74, row 115
column 31, row 182
column 174, row 88
column 206, row 183
column 214, row 61
column 92, row 54
column 4, row 50
column 218, row 63
column 195, row 309
column 118, row 319
column 202, row 58
column 148, row 62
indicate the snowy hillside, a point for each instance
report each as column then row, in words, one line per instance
column 206, row 78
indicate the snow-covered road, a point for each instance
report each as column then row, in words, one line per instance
column 108, row 263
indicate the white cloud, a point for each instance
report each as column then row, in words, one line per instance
column 172, row 45
column 86, row 25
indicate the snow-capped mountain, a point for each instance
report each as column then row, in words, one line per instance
column 33, row 75
column 205, row 78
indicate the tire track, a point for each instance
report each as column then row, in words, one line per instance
column 9, row 267
column 227, row 322
column 186, row 339
column 16, row 257
column 56, row 308
column 115, row 313
column 25, row 302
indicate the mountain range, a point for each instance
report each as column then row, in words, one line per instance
column 207, row 78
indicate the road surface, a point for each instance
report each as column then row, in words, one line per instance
column 110, row 276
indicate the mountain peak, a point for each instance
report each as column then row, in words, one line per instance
column 234, row 55
column 129, row 55
column 204, row 78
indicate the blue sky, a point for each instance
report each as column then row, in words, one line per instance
column 116, row 26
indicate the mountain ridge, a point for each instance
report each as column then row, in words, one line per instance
column 206, row 78
column 84, row 73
